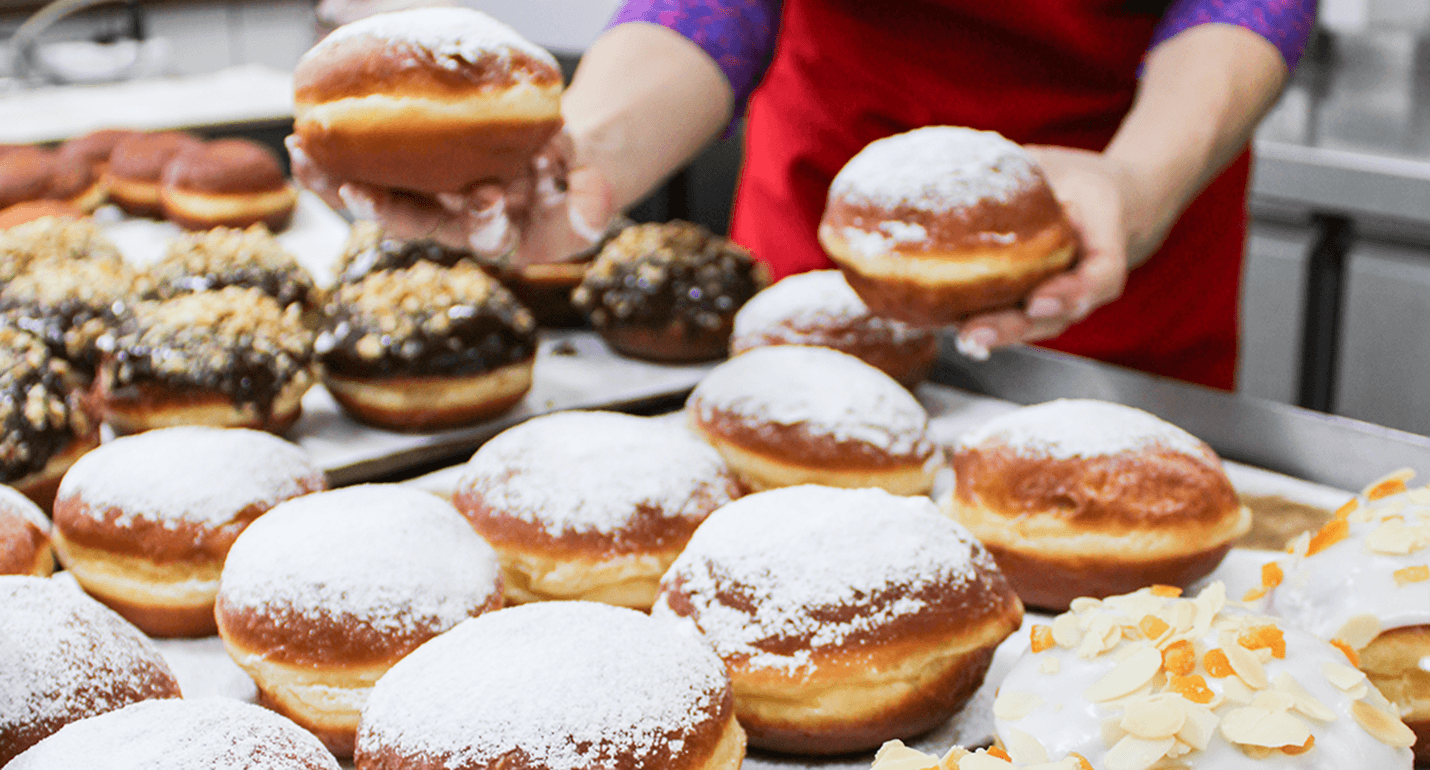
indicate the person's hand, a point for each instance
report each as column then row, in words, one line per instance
column 1099, row 195
column 551, row 214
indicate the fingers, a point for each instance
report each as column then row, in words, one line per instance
column 477, row 221
column 310, row 176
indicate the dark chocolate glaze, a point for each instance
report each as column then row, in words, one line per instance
column 37, row 412
column 369, row 250
column 72, row 306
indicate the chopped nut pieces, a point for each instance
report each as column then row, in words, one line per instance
column 35, row 412
column 226, row 256
column 72, row 304
column 51, row 238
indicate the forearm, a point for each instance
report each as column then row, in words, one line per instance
column 644, row 101
column 1202, row 94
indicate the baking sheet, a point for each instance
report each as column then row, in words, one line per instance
column 574, row 368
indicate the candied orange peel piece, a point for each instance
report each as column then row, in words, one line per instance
column 1253, row 594
column 1344, row 512
column 1082, row 763
column 1417, row 574
column 1271, row 575
column 1166, row 591
column 997, row 751
column 1152, row 626
column 1302, row 749
column 1192, row 687
column 1334, row 532
column 1041, row 638
column 1216, row 663
column 1268, row 636
column 1180, row 657
column 1350, row 652
column 1385, row 489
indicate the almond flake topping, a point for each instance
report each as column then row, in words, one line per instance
column 1013, row 705
column 1359, row 631
column 1387, row 728
column 1127, row 677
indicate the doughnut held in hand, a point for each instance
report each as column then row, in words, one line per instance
column 430, row 99
column 936, row 224
column 1088, row 498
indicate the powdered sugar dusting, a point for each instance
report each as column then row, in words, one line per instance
column 816, row 300
column 826, row 392
column 393, row 558
column 202, row 734
column 64, row 656
column 453, row 35
column 594, row 471
column 15, row 504
column 798, row 554
column 569, row 685
column 1068, row 428
column 935, row 169
column 189, row 474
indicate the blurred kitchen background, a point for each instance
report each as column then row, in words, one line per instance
column 1337, row 293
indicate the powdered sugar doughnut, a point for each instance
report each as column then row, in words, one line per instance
column 203, row 734
column 1150, row 680
column 429, row 99
column 1364, row 582
column 315, row 627
column 554, row 686
column 941, row 222
column 818, row 308
column 846, row 617
column 591, row 505
column 793, row 414
column 24, row 536
column 1087, row 498
column 144, row 522
column 66, row 657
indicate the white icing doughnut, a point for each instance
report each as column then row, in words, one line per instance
column 203, row 734
column 1068, row 428
column 551, row 686
column 1098, row 686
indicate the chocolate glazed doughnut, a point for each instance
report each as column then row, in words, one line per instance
column 429, row 99
column 938, row 223
column 46, row 424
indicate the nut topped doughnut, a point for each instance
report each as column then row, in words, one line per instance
column 668, row 292
column 227, row 183
column 1088, row 498
column 1363, row 582
column 24, row 536
column 428, row 99
column 72, row 305
column 554, row 686
column 46, row 426
column 792, row 414
column 144, row 522
column 846, row 616
column 226, row 256
column 227, row 358
column 52, row 238
column 427, row 347
column 136, row 168
column 370, row 249
column 938, row 223
column 67, row 658
column 818, row 308
column 1149, row 680
column 591, row 505
column 200, row 734
column 316, row 627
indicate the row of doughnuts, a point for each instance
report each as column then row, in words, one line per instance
column 169, row 174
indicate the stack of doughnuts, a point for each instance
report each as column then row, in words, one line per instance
column 818, row 308
column 144, row 522
column 1149, row 679
column 793, row 414
column 24, row 536
column 426, row 347
column 316, row 627
column 67, row 658
column 554, row 685
column 846, row 617
column 938, row 223
column 226, row 183
column 46, row 424
column 231, row 357
column 1088, row 498
column 668, row 292
column 591, row 505
column 430, row 99
column 180, row 735
column 1363, row 582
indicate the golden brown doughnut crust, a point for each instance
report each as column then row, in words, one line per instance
column 25, row 174
column 95, row 147
column 362, row 66
column 225, row 166
column 24, row 545
column 136, row 167
column 798, row 441
column 29, row 211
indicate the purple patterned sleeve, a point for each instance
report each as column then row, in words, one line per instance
column 1286, row 24
column 738, row 34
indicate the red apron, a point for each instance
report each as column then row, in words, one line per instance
column 1063, row 72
